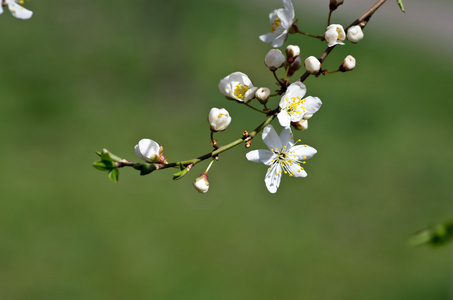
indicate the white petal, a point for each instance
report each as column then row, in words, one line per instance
column 296, row 89
column 285, row 137
column 297, row 171
column 261, row 156
column 250, row 94
column 289, row 7
column 272, row 178
column 284, row 119
column 278, row 42
column 18, row 11
column 271, row 138
column 312, row 105
column 303, row 152
column 268, row 37
column 285, row 16
column 147, row 148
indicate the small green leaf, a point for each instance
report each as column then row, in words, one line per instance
column 102, row 165
column 180, row 174
column 113, row 175
column 400, row 3
column 439, row 234
column 147, row 168
column 181, row 167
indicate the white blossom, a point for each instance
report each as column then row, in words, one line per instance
column 274, row 59
column 292, row 51
column 312, row 65
column 283, row 156
column 201, row 184
column 219, row 119
column 355, row 34
column 262, row 94
column 294, row 107
column 334, row 35
column 237, row 86
column 281, row 21
column 348, row 63
column 150, row 151
column 16, row 10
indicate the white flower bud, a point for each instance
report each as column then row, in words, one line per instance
column 219, row 119
column 292, row 51
column 334, row 35
column 201, row 184
column 355, row 34
column 262, row 94
column 312, row 64
column 274, row 59
column 150, row 151
column 348, row 64
column 300, row 125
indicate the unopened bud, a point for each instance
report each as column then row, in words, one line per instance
column 334, row 4
column 262, row 94
column 274, row 59
column 219, row 119
column 348, row 64
column 312, row 64
column 301, row 125
column 201, row 184
column 292, row 51
column 355, row 34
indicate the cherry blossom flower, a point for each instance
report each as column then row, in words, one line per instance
column 150, row 151
column 355, row 34
column 294, row 107
column 16, row 10
column 201, row 184
column 281, row 21
column 237, row 86
column 334, row 35
column 284, row 155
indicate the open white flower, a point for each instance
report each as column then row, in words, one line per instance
column 237, row 86
column 294, row 107
column 281, row 20
column 150, row 151
column 219, row 119
column 16, row 10
column 334, row 35
column 283, row 156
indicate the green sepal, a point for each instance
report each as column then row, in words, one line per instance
column 113, row 174
column 437, row 235
column 145, row 168
column 400, row 3
column 181, row 173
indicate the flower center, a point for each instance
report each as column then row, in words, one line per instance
column 275, row 24
column 340, row 34
column 296, row 108
column 287, row 159
column 240, row 90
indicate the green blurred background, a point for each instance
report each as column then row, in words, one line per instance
column 84, row 75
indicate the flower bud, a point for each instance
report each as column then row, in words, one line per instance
column 150, row 151
column 294, row 66
column 348, row 64
column 292, row 51
column 219, row 119
column 201, row 184
column 300, row 125
column 334, row 4
column 312, row 64
column 355, row 34
column 262, row 94
column 274, row 59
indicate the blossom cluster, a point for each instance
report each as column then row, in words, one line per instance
column 293, row 108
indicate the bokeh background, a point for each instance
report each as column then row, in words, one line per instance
column 84, row 75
